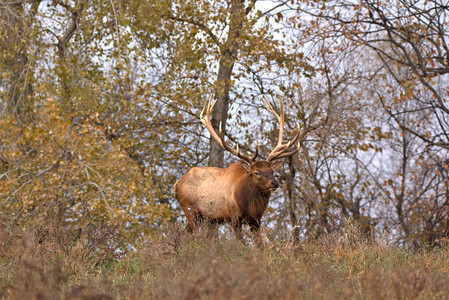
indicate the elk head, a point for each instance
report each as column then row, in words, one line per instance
column 261, row 174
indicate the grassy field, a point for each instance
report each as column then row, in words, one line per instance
column 51, row 263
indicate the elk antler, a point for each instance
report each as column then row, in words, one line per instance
column 220, row 139
column 279, row 150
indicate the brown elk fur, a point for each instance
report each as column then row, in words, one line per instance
column 237, row 195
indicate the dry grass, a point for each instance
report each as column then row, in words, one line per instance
column 52, row 263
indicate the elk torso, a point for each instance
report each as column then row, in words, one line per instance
column 220, row 194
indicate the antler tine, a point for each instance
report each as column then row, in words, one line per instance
column 236, row 151
column 279, row 117
column 206, row 120
column 270, row 108
column 256, row 152
column 279, row 150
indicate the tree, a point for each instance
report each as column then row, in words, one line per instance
column 16, row 30
column 62, row 161
column 409, row 40
column 223, row 34
column 100, row 103
column 123, row 78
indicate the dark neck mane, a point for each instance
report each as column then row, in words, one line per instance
column 251, row 200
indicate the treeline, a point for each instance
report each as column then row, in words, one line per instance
column 99, row 105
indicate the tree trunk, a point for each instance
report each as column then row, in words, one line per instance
column 65, row 70
column 229, row 52
column 19, row 28
column 220, row 113
column 291, row 200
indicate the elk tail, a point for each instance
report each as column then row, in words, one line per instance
column 175, row 188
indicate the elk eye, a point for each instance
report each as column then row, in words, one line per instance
column 256, row 173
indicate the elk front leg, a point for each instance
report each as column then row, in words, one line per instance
column 237, row 226
column 212, row 228
column 255, row 231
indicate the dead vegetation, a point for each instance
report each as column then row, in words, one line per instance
column 55, row 263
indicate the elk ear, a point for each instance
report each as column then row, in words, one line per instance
column 246, row 166
column 277, row 165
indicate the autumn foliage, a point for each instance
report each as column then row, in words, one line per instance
column 99, row 106
column 61, row 171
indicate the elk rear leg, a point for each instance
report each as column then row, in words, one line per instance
column 193, row 218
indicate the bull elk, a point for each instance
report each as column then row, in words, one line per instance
column 238, row 194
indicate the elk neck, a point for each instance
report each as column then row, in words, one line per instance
column 251, row 200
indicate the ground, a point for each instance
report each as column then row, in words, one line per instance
column 52, row 263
